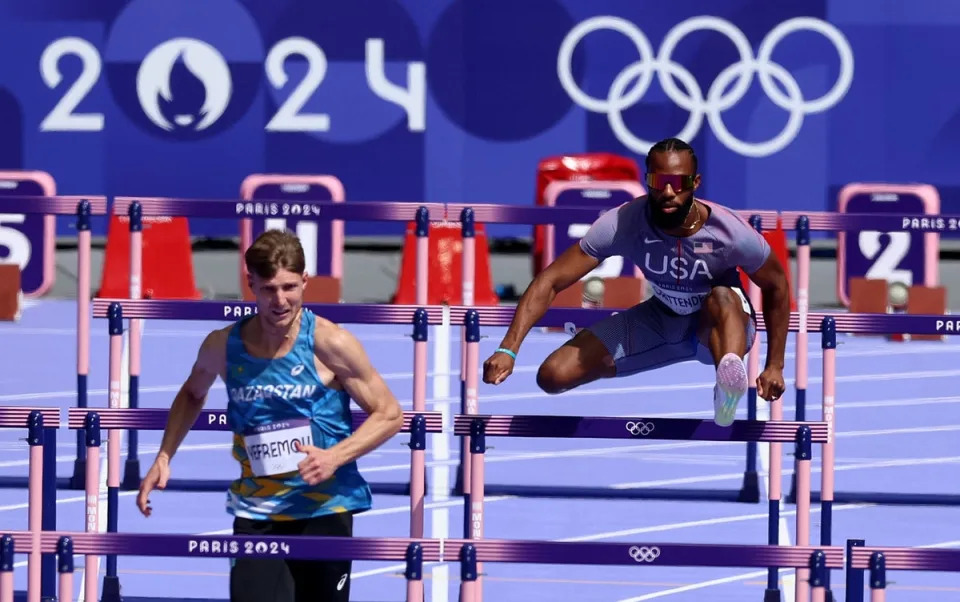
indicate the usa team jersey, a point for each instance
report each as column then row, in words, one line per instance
column 681, row 271
column 272, row 404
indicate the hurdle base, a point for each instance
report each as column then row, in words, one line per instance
column 23, row 483
column 882, row 499
column 640, row 493
column 772, row 595
column 750, row 491
column 131, row 475
column 110, row 590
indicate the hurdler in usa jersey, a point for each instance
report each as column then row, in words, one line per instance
column 681, row 271
column 689, row 250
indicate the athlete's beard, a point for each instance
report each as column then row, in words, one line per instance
column 670, row 221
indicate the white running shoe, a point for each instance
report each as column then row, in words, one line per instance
column 731, row 386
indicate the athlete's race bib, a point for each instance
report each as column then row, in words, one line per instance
column 272, row 448
column 681, row 302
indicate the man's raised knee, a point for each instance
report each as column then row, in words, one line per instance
column 722, row 299
column 549, row 378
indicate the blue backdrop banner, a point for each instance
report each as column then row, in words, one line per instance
column 457, row 101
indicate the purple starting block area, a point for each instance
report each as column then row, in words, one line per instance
column 897, row 418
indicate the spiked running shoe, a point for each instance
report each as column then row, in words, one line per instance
column 731, row 386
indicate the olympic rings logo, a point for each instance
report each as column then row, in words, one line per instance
column 716, row 100
column 644, row 553
column 640, row 428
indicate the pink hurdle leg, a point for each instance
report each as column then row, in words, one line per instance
column 469, row 573
column 6, row 568
column 65, row 568
column 92, row 491
column 878, row 577
column 35, row 504
column 802, row 588
column 423, row 255
column 469, row 367
column 418, row 469
column 468, row 399
column 477, row 449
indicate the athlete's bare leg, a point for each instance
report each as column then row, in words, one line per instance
column 724, row 332
column 723, row 328
column 580, row 360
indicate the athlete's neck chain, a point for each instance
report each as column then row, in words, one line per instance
column 696, row 208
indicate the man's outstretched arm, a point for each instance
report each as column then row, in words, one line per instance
column 343, row 354
column 192, row 395
column 772, row 280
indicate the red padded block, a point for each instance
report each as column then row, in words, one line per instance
column 11, row 296
column 167, row 259
column 445, row 280
column 777, row 239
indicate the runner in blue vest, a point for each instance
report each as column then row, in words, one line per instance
column 689, row 250
column 290, row 376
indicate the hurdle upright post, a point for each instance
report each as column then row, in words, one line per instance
column 131, row 472
column 91, row 433
column 35, row 433
column 418, row 425
column 414, row 572
column 83, row 331
column 469, row 573
column 828, row 341
column 803, row 308
column 423, row 255
column 775, row 448
column 818, row 576
column 878, row 577
column 750, row 492
column 478, row 447
column 471, row 322
column 468, row 266
column 111, row 582
column 7, row 558
column 65, row 568
column 804, row 455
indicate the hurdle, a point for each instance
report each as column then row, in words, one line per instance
column 472, row 318
column 413, row 552
column 879, row 560
column 805, row 222
column 82, row 208
column 40, row 423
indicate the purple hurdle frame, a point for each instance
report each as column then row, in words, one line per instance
column 414, row 552
column 82, row 208
column 879, row 560
column 40, row 422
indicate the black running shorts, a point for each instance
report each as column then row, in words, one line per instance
column 282, row 580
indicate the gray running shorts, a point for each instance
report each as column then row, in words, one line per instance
column 649, row 335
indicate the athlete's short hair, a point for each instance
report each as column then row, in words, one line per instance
column 672, row 145
column 275, row 250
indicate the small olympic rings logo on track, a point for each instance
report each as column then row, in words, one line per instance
column 640, row 428
column 644, row 553
column 728, row 89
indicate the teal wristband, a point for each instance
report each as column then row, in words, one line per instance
column 507, row 351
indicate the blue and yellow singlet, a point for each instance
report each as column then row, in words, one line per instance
column 272, row 403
